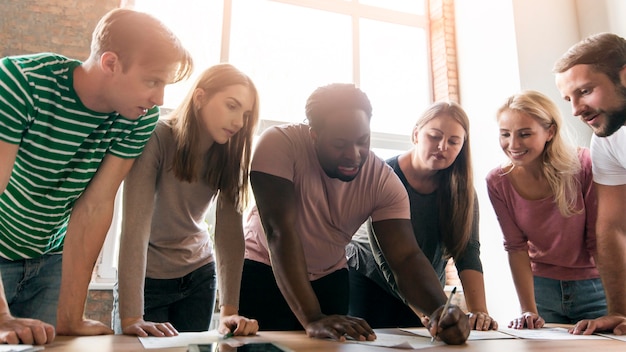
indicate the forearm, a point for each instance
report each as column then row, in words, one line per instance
column 85, row 235
column 523, row 280
column 612, row 267
column 474, row 290
column 420, row 288
column 229, row 252
column 292, row 279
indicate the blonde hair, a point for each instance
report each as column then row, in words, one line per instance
column 560, row 163
column 224, row 167
column 127, row 32
column 455, row 193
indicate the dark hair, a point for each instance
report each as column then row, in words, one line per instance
column 332, row 97
column 605, row 52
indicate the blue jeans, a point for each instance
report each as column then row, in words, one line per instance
column 567, row 302
column 32, row 286
column 186, row 302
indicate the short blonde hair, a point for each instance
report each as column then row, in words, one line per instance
column 127, row 32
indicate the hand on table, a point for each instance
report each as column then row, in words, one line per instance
column 83, row 327
column 338, row 326
column 481, row 321
column 142, row 328
column 527, row 320
column 613, row 322
column 237, row 325
column 27, row 331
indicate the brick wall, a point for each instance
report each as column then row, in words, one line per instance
column 60, row 26
column 99, row 305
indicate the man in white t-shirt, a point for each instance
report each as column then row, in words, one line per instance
column 314, row 185
column 591, row 75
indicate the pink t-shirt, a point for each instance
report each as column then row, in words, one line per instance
column 560, row 248
column 329, row 211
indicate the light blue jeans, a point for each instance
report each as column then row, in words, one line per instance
column 567, row 302
column 32, row 286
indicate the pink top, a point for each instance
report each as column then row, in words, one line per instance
column 329, row 210
column 560, row 248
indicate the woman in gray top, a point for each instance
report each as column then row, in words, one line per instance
column 437, row 174
column 167, row 266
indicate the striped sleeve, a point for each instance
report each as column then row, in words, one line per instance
column 15, row 102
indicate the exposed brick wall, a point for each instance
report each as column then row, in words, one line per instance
column 99, row 305
column 443, row 50
column 60, row 26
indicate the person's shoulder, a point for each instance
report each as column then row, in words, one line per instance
column 393, row 161
column 290, row 131
column 41, row 60
column 495, row 174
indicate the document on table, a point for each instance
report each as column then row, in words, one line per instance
column 614, row 337
column 399, row 341
column 531, row 334
column 474, row 334
column 20, row 348
column 182, row 340
column 548, row 334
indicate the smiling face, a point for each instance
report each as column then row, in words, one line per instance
column 222, row 115
column 438, row 142
column 343, row 143
column 594, row 98
column 522, row 138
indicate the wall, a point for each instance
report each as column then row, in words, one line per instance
column 64, row 27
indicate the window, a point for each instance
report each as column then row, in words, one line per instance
column 291, row 47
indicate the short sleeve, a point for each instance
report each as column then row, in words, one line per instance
column 608, row 155
column 15, row 102
column 132, row 144
column 274, row 153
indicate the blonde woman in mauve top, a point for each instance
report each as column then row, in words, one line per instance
column 545, row 202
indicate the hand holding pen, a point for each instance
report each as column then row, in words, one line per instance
column 451, row 324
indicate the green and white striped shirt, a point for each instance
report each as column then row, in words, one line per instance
column 61, row 144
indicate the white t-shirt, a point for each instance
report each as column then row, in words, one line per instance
column 329, row 211
column 608, row 155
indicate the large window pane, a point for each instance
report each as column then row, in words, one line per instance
column 198, row 24
column 394, row 74
column 411, row 6
column 289, row 51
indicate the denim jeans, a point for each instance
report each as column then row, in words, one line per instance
column 567, row 302
column 186, row 302
column 32, row 286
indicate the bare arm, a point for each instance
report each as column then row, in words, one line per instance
column 525, row 287
column 15, row 330
column 275, row 198
column 229, row 251
column 87, row 228
column 474, row 289
column 8, row 152
column 417, row 280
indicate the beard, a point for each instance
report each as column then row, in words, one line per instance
column 616, row 118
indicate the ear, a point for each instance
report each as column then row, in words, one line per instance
column 110, row 63
column 313, row 134
column 198, row 98
column 551, row 132
column 416, row 132
column 622, row 76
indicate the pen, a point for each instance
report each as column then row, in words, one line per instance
column 228, row 335
column 443, row 312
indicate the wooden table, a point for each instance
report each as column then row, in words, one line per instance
column 298, row 341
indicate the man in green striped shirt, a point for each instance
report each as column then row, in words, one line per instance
column 69, row 133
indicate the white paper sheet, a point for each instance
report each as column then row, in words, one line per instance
column 474, row 334
column 548, row 334
column 182, row 340
column 20, row 348
column 399, row 341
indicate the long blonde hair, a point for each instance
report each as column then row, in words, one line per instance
column 224, row 167
column 560, row 163
column 455, row 193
